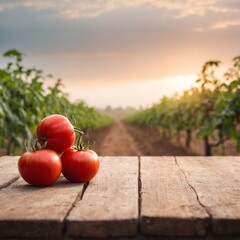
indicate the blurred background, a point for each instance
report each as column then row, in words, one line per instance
column 140, row 77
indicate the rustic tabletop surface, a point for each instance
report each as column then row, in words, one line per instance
column 131, row 197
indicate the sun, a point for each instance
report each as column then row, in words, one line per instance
column 182, row 83
column 177, row 84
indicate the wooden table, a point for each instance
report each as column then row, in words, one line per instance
column 131, row 197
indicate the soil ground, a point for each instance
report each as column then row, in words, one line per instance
column 121, row 139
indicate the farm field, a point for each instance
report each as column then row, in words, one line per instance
column 122, row 139
column 200, row 121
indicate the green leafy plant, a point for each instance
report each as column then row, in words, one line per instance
column 212, row 108
column 25, row 100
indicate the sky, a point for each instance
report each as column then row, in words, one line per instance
column 121, row 52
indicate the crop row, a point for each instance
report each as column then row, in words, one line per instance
column 211, row 105
column 25, row 99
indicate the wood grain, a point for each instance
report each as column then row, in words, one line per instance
column 180, row 198
column 217, row 183
column 169, row 207
column 8, row 170
column 28, row 211
column 109, row 207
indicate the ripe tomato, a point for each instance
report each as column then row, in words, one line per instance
column 79, row 165
column 57, row 131
column 40, row 168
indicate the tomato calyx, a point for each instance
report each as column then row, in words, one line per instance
column 34, row 145
column 80, row 146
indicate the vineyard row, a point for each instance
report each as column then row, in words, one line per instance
column 25, row 100
column 211, row 105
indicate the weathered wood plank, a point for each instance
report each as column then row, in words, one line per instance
column 8, row 170
column 109, row 207
column 28, row 211
column 216, row 181
column 169, row 207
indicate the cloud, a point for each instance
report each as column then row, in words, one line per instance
column 226, row 24
column 82, row 56
column 136, row 39
column 81, row 8
column 186, row 8
column 69, row 8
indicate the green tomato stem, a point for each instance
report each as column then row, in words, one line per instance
column 80, row 145
column 34, row 145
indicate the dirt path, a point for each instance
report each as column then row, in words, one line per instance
column 121, row 139
column 115, row 141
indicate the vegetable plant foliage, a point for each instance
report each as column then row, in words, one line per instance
column 211, row 108
column 25, row 99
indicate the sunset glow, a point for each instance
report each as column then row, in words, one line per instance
column 121, row 53
column 138, row 93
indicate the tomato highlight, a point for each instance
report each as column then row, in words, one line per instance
column 79, row 166
column 57, row 131
column 40, row 168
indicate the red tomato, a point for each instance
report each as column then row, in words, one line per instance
column 40, row 168
column 79, row 165
column 57, row 131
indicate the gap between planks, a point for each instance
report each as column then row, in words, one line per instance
column 139, row 193
column 8, row 171
column 110, row 207
column 7, row 184
column 81, row 194
column 79, row 197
